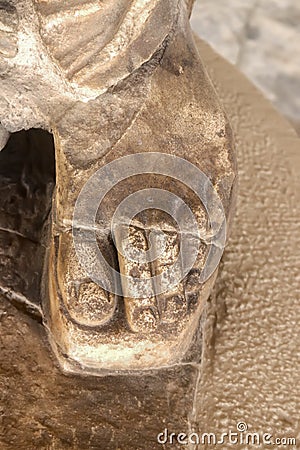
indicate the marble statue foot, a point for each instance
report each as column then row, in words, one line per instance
column 131, row 109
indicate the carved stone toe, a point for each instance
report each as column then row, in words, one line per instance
column 86, row 302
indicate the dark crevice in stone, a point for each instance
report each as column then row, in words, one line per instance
column 27, row 180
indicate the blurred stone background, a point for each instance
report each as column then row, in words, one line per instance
column 262, row 38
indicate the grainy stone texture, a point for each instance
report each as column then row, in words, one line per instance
column 250, row 363
column 251, row 360
column 111, row 89
column 43, row 409
column 261, row 38
column 248, row 366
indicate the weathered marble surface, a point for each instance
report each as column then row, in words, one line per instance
column 262, row 39
column 110, row 89
column 250, row 364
